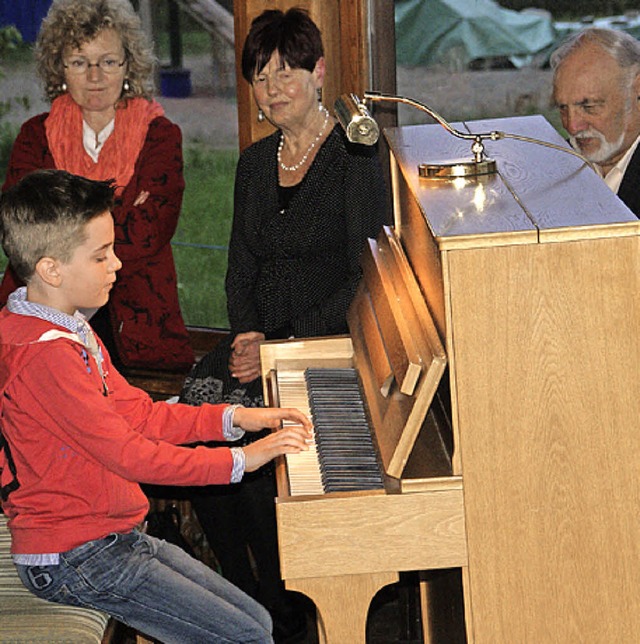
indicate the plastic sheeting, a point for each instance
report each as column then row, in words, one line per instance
column 453, row 33
column 630, row 22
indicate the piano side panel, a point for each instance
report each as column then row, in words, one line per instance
column 550, row 506
column 545, row 364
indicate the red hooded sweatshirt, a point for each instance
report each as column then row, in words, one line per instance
column 79, row 452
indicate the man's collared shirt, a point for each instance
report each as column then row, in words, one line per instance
column 614, row 177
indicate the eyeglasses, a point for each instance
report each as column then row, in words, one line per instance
column 107, row 64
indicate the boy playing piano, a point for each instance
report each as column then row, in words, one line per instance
column 78, row 438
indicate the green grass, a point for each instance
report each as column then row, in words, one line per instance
column 200, row 243
column 13, row 50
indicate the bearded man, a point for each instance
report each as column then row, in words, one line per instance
column 596, row 87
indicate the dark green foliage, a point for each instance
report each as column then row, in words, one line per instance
column 10, row 43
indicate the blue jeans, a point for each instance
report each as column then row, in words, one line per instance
column 153, row 586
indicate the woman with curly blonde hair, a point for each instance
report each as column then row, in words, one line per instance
column 96, row 65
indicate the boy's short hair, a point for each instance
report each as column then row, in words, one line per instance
column 44, row 215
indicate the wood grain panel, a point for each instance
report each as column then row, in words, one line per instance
column 355, row 534
column 546, row 368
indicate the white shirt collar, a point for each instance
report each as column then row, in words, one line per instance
column 613, row 178
column 93, row 142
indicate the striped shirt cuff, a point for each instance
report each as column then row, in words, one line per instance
column 239, row 460
column 229, row 430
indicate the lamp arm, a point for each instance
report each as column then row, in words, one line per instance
column 548, row 144
column 495, row 135
column 391, row 98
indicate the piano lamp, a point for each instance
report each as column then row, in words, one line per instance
column 361, row 127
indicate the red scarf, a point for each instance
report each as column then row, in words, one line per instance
column 120, row 151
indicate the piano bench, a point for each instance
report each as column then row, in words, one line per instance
column 26, row 618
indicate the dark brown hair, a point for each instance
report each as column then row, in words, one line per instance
column 293, row 35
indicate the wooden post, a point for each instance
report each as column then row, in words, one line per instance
column 175, row 37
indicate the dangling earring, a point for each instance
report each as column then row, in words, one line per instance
column 63, row 87
column 125, row 86
column 319, row 93
column 260, row 116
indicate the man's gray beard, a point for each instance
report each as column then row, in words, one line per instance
column 606, row 150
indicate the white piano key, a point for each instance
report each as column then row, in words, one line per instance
column 303, row 468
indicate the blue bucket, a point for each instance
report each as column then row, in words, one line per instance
column 175, row 83
column 25, row 15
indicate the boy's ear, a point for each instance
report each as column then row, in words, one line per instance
column 48, row 270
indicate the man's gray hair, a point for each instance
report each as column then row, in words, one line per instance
column 623, row 47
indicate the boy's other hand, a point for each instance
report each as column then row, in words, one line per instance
column 253, row 419
column 289, row 440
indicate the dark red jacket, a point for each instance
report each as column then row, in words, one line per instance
column 144, row 308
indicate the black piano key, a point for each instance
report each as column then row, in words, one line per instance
column 348, row 461
column 346, row 454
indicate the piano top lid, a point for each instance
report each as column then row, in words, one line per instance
column 397, row 350
column 538, row 195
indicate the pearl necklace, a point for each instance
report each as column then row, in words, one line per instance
column 305, row 156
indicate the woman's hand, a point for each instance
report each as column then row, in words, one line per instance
column 244, row 363
column 290, row 440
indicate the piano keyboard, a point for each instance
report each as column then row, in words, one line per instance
column 342, row 456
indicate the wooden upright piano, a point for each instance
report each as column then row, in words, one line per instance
column 495, row 340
